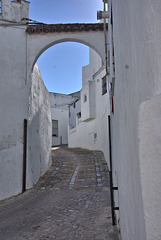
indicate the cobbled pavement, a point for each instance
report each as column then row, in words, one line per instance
column 70, row 202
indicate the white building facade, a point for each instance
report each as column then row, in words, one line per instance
column 59, row 104
column 91, row 112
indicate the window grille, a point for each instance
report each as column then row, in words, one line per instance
column 55, row 128
column 104, row 85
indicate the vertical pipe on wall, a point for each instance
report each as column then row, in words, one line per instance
column 110, row 172
column 105, row 36
column 24, row 157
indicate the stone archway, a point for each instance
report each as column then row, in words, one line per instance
column 39, row 38
column 42, row 36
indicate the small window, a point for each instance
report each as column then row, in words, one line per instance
column 55, row 128
column 79, row 115
column 104, row 85
column 85, row 97
column 95, row 135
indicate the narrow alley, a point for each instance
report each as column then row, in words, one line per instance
column 71, row 202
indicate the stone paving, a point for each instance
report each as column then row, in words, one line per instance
column 70, row 202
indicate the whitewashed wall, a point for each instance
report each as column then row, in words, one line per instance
column 14, row 92
column 102, row 109
column 88, row 105
column 39, row 129
column 14, row 99
column 15, row 89
column 83, row 136
column 95, row 63
column 62, row 116
column 91, row 131
column 14, row 10
column 74, row 109
column 137, row 116
column 93, row 134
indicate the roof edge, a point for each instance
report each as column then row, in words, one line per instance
column 70, row 27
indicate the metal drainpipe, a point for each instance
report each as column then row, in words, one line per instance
column 105, row 40
column 112, row 188
column 24, row 157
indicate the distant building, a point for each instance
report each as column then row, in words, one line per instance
column 88, row 118
column 60, row 116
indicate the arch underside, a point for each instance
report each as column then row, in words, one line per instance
column 62, row 41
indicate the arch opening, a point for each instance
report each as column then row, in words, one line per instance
column 69, row 97
column 61, row 67
column 52, row 60
column 64, row 41
column 50, row 113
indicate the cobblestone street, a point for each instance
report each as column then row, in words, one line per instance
column 71, row 202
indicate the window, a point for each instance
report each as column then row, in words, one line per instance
column 85, row 97
column 95, row 135
column 104, row 85
column 55, row 128
column 79, row 115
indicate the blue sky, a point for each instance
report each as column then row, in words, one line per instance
column 61, row 65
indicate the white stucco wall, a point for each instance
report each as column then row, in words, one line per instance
column 149, row 152
column 15, row 89
column 83, row 136
column 74, row 109
column 62, row 115
column 93, row 134
column 91, row 131
column 39, row 129
column 88, row 106
column 102, row 109
column 136, row 120
column 14, row 92
column 95, row 63
column 61, row 101
column 14, row 11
